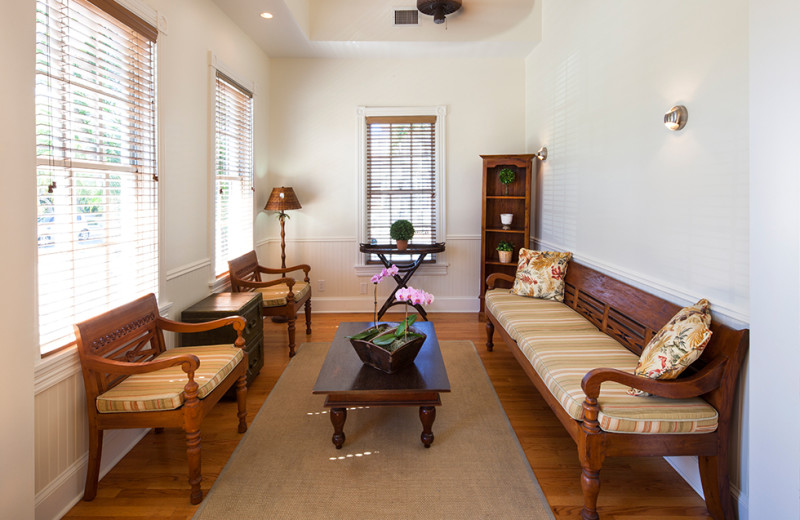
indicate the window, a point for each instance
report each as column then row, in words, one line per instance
column 233, row 172
column 96, row 162
column 402, row 173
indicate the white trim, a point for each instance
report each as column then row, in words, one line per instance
column 142, row 10
column 366, row 304
column 277, row 240
column 242, row 79
column 735, row 317
column 55, row 368
column 437, row 269
column 187, row 268
column 66, row 490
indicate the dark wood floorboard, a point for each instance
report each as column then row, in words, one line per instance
column 150, row 481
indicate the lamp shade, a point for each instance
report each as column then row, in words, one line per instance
column 282, row 199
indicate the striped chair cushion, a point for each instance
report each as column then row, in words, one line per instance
column 562, row 359
column 163, row 389
column 521, row 316
column 275, row 295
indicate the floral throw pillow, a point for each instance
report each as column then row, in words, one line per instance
column 677, row 344
column 540, row 274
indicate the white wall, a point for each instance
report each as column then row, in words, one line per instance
column 668, row 211
column 17, row 168
column 774, row 476
column 189, row 30
column 313, row 149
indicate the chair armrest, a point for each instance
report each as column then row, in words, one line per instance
column 189, row 363
column 706, row 380
column 494, row 277
column 238, row 323
column 269, row 270
column 255, row 285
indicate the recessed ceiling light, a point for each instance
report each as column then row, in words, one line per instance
column 266, row 15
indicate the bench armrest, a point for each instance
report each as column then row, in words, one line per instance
column 188, row 362
column 238, row 323
column 269, row 270
column 708, row 379
column 255, row 285
column 494, row 277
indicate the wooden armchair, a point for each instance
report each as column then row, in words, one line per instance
column 132, row 381
column 281, row 297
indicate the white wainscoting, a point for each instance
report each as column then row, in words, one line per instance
column 334, row 260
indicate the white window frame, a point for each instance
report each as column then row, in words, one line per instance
column 218, row 281
column 60, row 360
column 362, row 113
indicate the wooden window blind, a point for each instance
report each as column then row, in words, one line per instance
column 233, row 172
column 96, row 173
column 401, row 177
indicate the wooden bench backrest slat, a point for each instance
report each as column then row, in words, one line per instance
column 634, row 316
column 244, row 268
column 127, row 333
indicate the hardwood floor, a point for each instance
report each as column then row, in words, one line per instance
column 151, row 480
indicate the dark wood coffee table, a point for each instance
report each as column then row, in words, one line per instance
column 348, row 382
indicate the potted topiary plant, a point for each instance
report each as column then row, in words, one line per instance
column 505, row 250
column 507, row 176
column 402, row 231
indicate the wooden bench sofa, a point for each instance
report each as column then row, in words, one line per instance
column 133, row 381
column 580, row 355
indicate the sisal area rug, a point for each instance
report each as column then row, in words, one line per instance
column 286, row 467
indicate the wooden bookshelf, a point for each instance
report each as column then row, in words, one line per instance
column 498, row 198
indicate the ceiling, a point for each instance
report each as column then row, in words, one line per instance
column 365, row 28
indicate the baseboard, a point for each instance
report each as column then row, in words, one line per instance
column 688, row 469
column 66, row 490
column 366, row 304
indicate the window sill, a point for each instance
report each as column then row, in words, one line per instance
column 437, row 269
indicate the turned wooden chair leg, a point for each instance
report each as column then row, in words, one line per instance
column 93, row 468
column 193, row 458
column 241, row 402
column 292, row 320
column 308, row 316
column 591, row 453
column 716, row 486
column 489, row 335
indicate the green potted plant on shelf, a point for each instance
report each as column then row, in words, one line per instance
column 505, row 250
column 401, row 231
column 507, row 176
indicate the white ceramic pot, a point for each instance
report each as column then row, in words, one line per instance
column 506, row 219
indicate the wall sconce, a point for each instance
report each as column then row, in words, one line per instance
column 676, row 117
column 542, row 153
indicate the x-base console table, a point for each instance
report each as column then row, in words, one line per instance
column 406, row 269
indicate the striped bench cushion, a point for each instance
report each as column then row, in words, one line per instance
column 521, row 316
column 562, row 359
column 275, row 295
column 163, row 389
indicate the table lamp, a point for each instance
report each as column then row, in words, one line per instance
column 282, row 199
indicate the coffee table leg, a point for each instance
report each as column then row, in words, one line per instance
column 427, row 414
column 338, row 416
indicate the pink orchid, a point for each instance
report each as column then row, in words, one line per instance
column 376, row 279
column 414, row 297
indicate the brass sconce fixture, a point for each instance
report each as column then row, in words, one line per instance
column 542, row 153
column 676, row 117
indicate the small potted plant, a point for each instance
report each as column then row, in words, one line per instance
column 505, row 250
column 507, row 176
column 402, row 231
